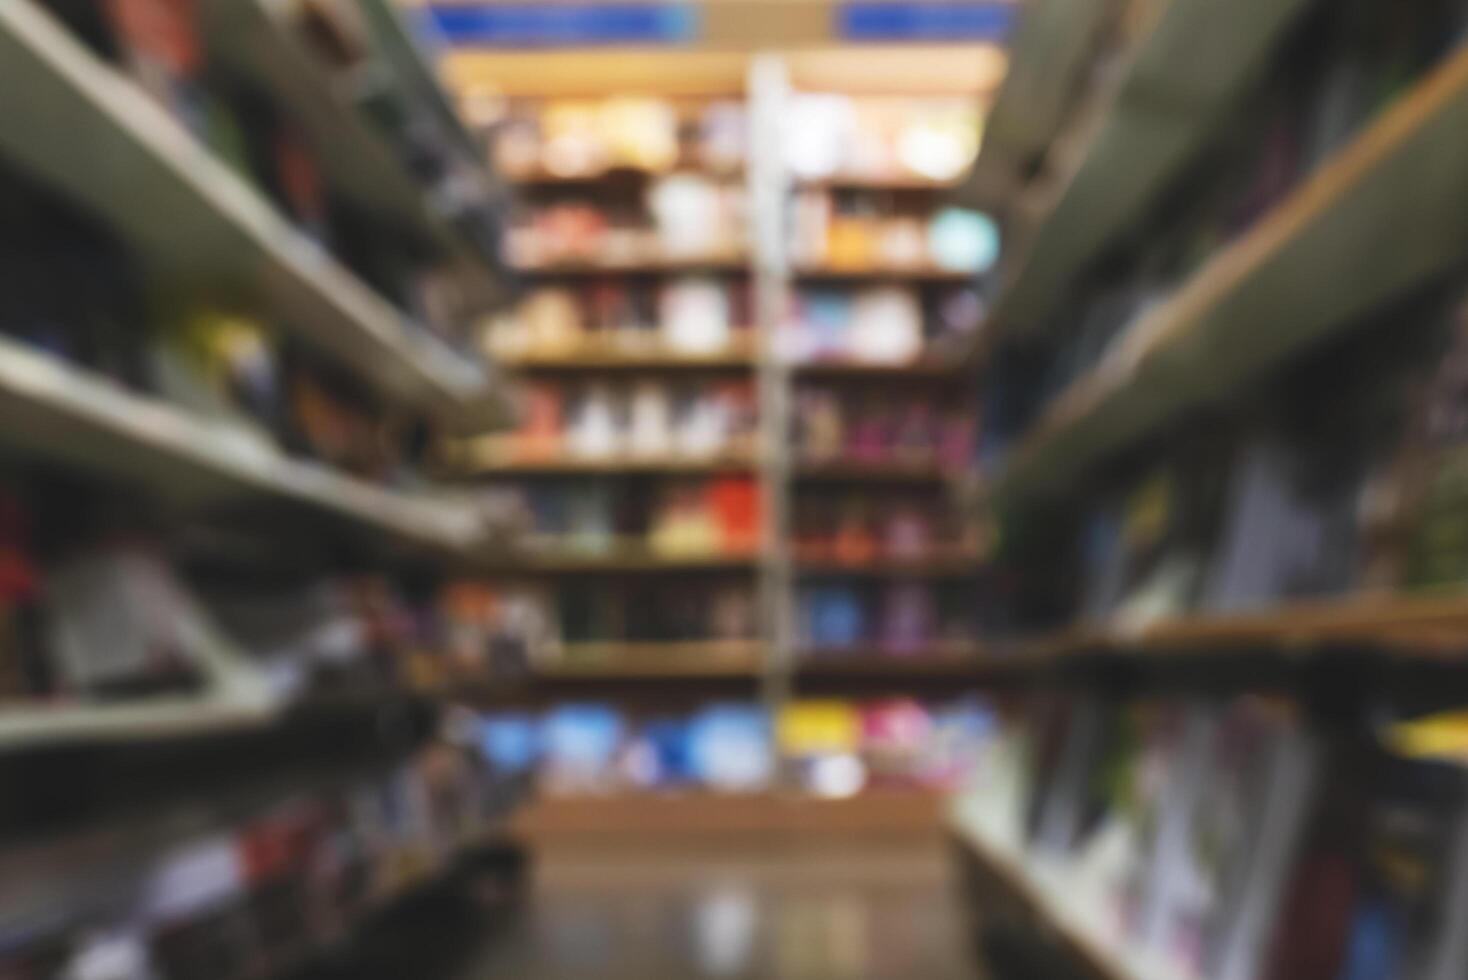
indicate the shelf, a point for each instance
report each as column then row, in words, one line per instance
column 1419, row 625
column 1046, row 905
column 624, row 560
column 1049, row 52
column 943, row 672
column 402, row 42
column 726, row 264
column 612, row 357
column 892, row 182
column 940, row 660
column 717, row 815
column 889, row 273
column 619, row 466
column 85, row 129
column 250, row 37
column 1169, row 102
column 539, row 178
column 58, row 412
column 886, row 472
column 1372, row 223
column 664, row 659
column 924, row 369
column 85, row 766
column 937, row 566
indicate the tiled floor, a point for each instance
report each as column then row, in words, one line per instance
column 657, row 911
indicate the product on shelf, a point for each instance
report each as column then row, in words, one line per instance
column 683, row 218
column 839, row 748
column 858, row 230
column 887, row 325
column 1340, row 66
column 164, row 46
column 901, row 429
column 829, row 136
column 688, row 316
column 272, row 891
column 647, row 420
column 682, row 621
column 589, row 138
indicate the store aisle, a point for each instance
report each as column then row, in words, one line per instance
column 654, row 912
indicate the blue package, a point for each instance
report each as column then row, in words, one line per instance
column 581, row 738
column 510, row 742
column 731, row 747
column 669, row 740
column 836, row 618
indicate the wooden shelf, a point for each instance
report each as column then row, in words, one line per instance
column 611, row 357
column 942, row 660
column 616, row 175
column 924, row 369
column 898, row 273
column 94, row 135
column 1420, row 625
column 670, row 659
column 1372, row 223
column 626, row 559
column 645, row 266
column 937, row 566
column 62, row 413
column 891, row 182
column 1168, row 102
column 619, row 466
column 885, row 472
column 701, row 814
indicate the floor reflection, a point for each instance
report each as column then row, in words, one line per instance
column 783, row 914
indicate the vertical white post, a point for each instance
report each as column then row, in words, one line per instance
column 768, row 189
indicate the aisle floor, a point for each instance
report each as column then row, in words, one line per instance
column 786, row 912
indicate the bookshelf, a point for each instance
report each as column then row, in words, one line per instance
column 252, row 42
column 619, row 347
column 115, row 773
column 64, row 414
column 86, row 130
column 1120, row 154
column 1373, row 221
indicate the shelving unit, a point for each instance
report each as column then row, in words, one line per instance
column 1373, row 222
column 1410, row 625
column 1160, row 111
column 573, row 465
column 85, row 129
column 881, row 273
column 925, row 370
column 606, row 358
column 254, row 42
column 121, row 761
column 667, row 265
column 1045, row 904
column 628, row 559
column 64, row 414
column 108, row 775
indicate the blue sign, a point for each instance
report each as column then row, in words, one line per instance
column 567, row 24
column 894, row 20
